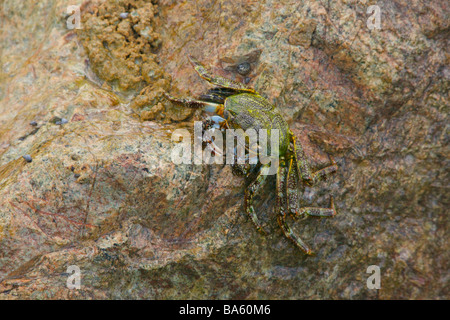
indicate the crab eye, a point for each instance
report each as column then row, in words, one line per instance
column 243, row 68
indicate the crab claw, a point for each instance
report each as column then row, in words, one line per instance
column 192, row 103
column 217, row 119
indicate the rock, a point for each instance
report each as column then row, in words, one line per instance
column 117, row 47
column 103, row 194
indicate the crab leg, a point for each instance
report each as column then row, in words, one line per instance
column 292, row 192
column 292, row 188
column 323, row 173
column 304, row 169
column 254, row 187
column 301, row 160
column 281, row 205
column 291, row 236
column 241, row 169
column 217, row 80
column 318, row 212
column 192, row 103
column 293, row 204
column 293, row 199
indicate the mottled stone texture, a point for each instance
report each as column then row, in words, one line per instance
column 102, row 193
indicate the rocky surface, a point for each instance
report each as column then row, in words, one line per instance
column 102, row 193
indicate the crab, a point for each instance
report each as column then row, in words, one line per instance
column 241, row 107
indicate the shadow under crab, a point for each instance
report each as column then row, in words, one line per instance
column 243, row 108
